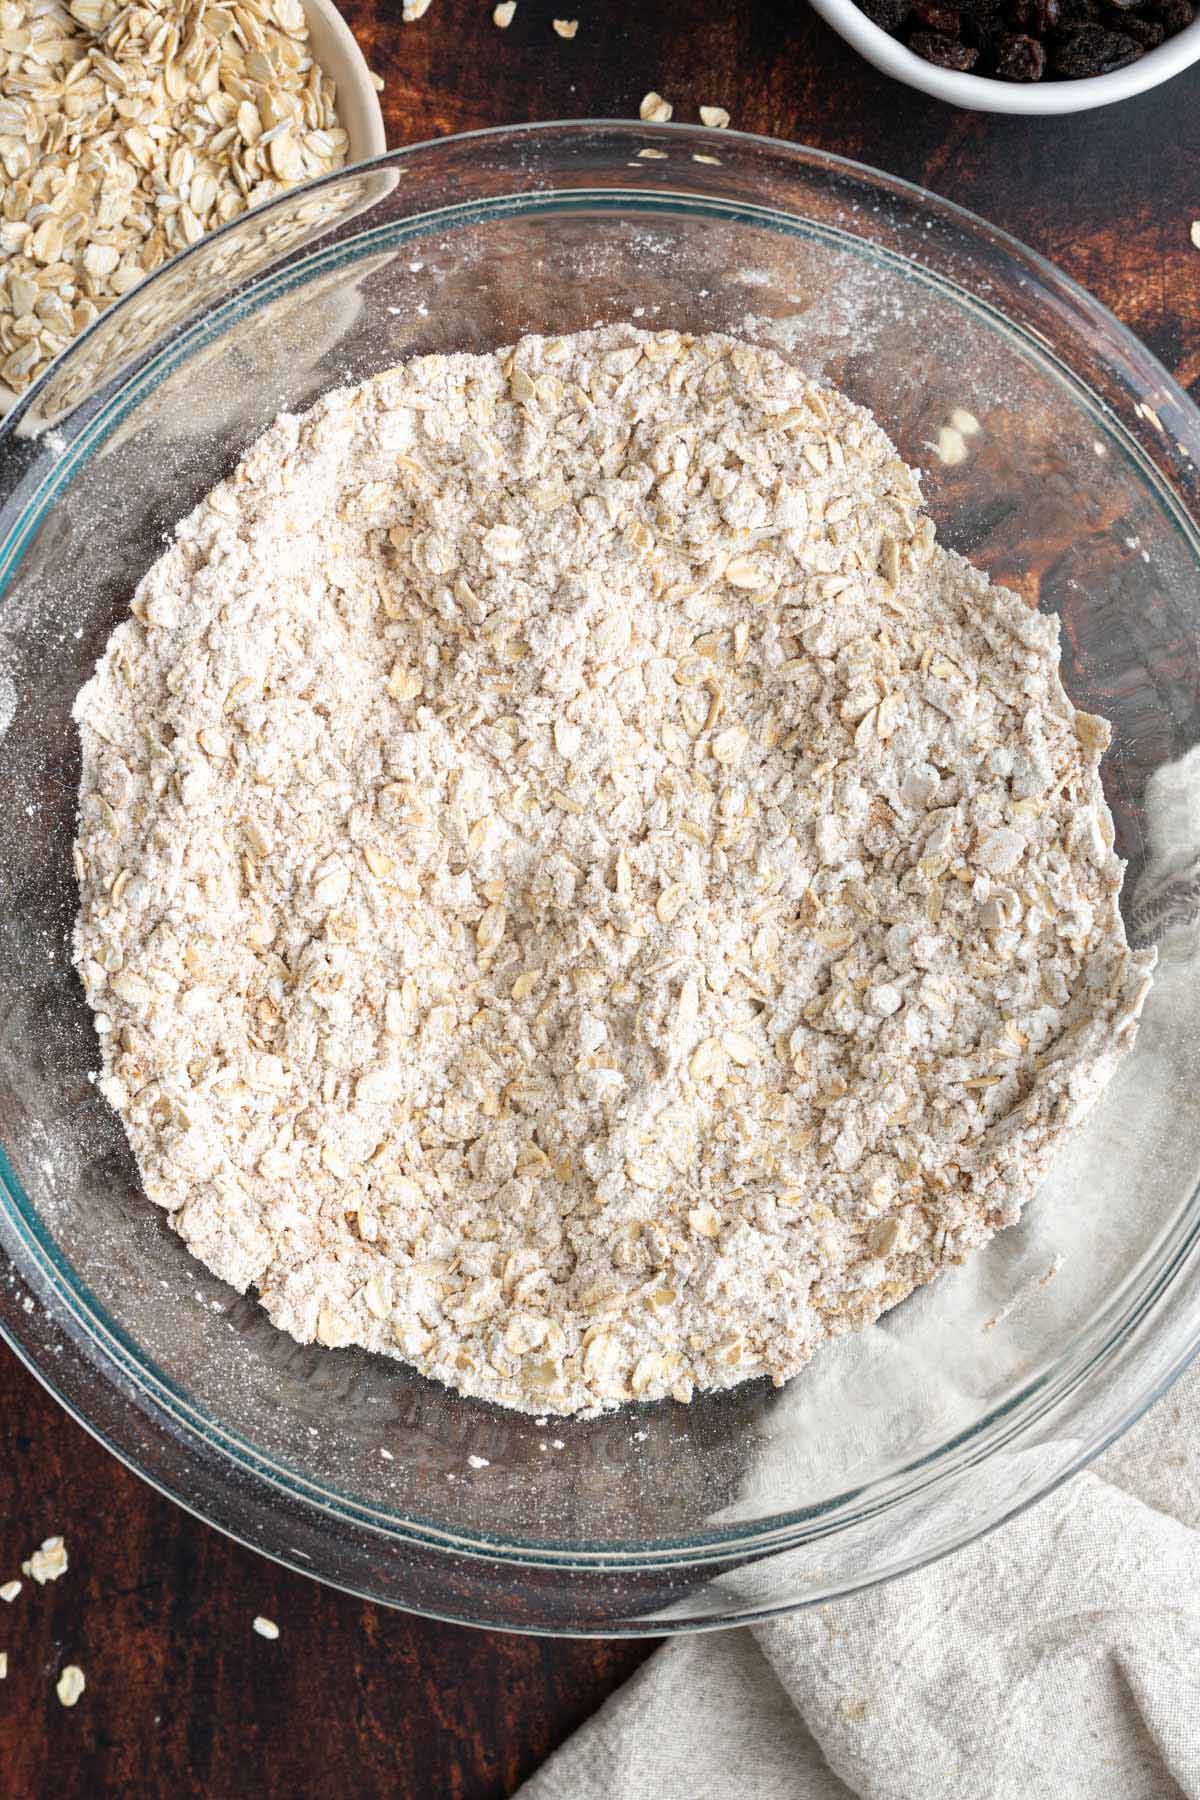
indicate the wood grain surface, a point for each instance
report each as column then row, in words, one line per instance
column 182, row 1697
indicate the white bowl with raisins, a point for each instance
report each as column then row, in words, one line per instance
column 1022, row 56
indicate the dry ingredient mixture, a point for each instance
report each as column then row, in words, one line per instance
column 579, row 890
column 126, row 132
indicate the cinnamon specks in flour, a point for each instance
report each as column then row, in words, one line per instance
column 579, row 891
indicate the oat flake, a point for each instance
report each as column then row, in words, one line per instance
column 579, row 890
column 48, row 1563
column 654, row 108
column 70, row 1684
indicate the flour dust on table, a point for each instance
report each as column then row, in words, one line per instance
column 579, row 890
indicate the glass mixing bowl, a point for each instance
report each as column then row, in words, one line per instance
column 972, row 1398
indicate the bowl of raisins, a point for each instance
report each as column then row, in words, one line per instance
column 1022, row 56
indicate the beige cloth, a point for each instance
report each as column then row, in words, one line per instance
column 1058, row 1657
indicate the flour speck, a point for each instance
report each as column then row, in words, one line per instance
column 8, row 701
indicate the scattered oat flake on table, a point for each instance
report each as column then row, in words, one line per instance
column 9, row 1591
column 479, row 1462
column 48, row 1563
column 70, row 1684
column 714, row 116
column 415, row 9
column 1195, row 233
column 3, row 1665
column 566, row 28
column 377, row 81
column 266, row 1627
column 504, row 14
column 951, row 446
column 654, row 109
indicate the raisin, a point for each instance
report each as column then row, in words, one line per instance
column 932, row 15
column 888, row 14
column 1149, row 33
column 981, row 20
column 1037, row 18
column 1174, row 15
column 980, row 31
column 1079, row 12
column 946, row 52
column 1019, row 58
column 1091, row 50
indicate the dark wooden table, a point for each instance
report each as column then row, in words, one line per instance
column 353, row 1701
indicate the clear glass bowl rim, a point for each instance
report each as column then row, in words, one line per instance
column 99, row 1345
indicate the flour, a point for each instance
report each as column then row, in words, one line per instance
column 579, row 891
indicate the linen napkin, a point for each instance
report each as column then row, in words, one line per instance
column 1059, row 1656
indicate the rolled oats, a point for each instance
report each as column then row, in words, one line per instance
column 126, row 133
column 70, row 1684
column 579, row 891
column 47, row 1563
column 655, row 109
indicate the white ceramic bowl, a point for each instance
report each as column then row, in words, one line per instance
column 336, row 50
column 982, row 93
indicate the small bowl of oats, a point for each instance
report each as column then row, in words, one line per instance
column 143, row 132
column 522, row 920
